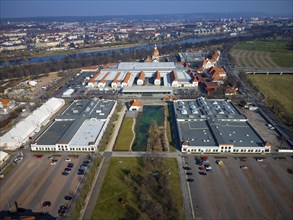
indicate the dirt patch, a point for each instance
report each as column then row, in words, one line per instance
column 45, row 82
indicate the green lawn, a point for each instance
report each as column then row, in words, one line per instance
column 278, row 88
column 125, row 135
column 284, row 59
column 122, row 180
column 280, row 51
column 263, row 45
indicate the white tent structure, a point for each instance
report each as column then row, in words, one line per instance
column 21, row 132
column 3, row 156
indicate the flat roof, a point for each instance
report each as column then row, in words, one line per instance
column 143, row 66
column 81, row 121
column 214, row 122
column 87, row 133
column 154, row 89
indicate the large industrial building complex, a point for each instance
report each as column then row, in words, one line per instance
column 79, row 128
column 143, row 77
column 215, row 126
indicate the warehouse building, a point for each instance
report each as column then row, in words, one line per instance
column 131, row 74
column 25, row 129
column 215, row 126
column 79, row 128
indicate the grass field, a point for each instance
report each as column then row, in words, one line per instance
column 263, row 54
column 125, row 135
column 263, row 45
column 276, row 87
column 117, row 184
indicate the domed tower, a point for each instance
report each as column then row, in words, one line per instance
column 155, row 55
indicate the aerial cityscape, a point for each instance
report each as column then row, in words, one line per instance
column 146, row 110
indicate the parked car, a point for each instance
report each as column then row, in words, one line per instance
column 220, row 162
column 202, row 173
column 209, row 168
column 65, row 172
column 62, row 210
column 243, row 167
column 201, row 168
column 204, row 158
column 70, row 165
column 46, row 204
column 259, row 159
column 67, row 159
column 190, row 180
column 53, row 163
column 67, row 197
column 80, row 172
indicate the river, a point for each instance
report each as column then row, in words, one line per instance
column 34, row 60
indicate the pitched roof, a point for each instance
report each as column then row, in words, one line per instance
column 231, row 89
column 141, row 75
column 89, row 68
column 116, row 77
column 211, row 85
column 127, row 77
column 104, row 77
column 135, row 103
column 174, row 76
column 5, row 102
column 109, row 64
column 92, row 80
column 158, row 75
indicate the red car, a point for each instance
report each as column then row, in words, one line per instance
column 204, row 158
column 201, row 168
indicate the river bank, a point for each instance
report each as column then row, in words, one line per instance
column 47, row 56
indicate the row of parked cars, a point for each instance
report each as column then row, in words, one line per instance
column 204, row 165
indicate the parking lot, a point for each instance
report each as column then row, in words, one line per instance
column 35, row 180
column 260, row 190
column 261, row 125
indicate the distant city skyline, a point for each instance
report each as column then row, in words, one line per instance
column 46, row 8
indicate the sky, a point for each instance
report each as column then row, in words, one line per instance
column 44, row 8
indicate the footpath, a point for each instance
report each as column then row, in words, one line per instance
column 93, row 194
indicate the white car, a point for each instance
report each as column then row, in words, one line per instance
column 259, row 159
column 67, row 160
column 53, row 163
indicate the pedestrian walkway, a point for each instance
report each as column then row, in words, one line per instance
column 93, row 194
column 118, row 123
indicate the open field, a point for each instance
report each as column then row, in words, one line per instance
column 262, row 191
column 125, row 136
column 276, row 87
column 262, row 54
column 122, row 183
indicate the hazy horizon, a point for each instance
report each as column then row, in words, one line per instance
column 67, row 8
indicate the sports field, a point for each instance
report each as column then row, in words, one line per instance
column 277, row 88
column 266, row 54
